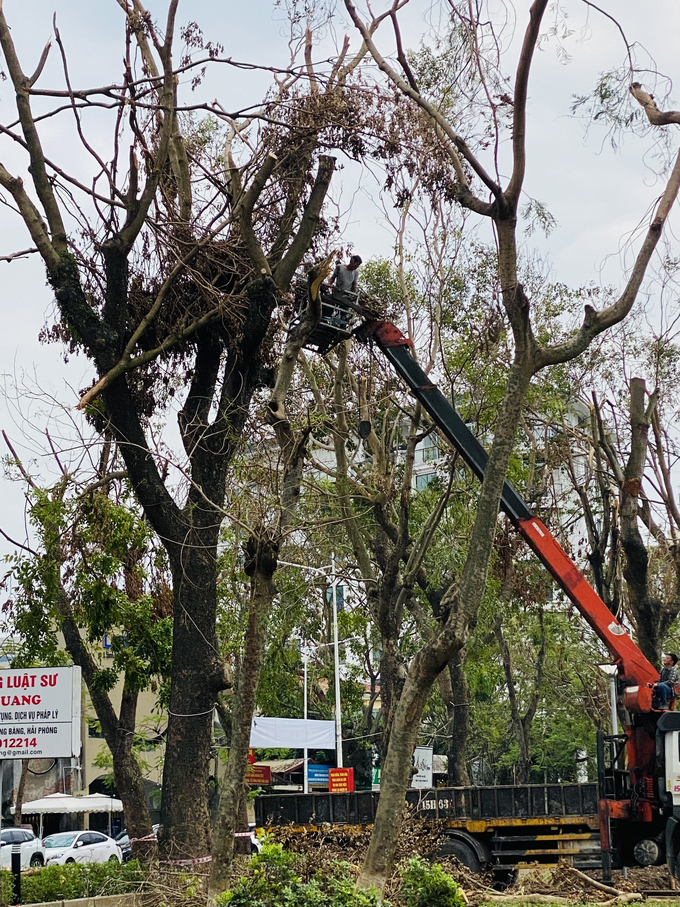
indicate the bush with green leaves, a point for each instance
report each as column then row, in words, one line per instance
column 6, row 887
column 75, row 880
column 428, row 885
column 275, row 883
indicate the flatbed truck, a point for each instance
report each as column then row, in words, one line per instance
column 499, row 828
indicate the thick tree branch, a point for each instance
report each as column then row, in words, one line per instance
column 244, row 205
column 595, row 323
column 655, row 116
column 519, row 115
column 138, row 210
column 276, row 408
column 284, row 271
column 31, row 216
column 125, row 365
column 41, row 182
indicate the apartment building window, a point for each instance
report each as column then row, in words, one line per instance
column 428, row 450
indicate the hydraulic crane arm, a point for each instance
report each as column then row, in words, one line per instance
column 634, row 668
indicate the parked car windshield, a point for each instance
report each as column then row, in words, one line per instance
column 63, row 840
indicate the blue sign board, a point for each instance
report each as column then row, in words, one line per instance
column 318, row 774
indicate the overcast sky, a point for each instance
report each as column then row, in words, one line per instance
column 599, row 197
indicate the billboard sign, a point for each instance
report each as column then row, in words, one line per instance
column 422, row 762
column 341, row 780
column 39, row 713
column 258, row 774
column 318, row 774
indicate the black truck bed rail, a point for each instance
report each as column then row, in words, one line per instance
column 507, row 802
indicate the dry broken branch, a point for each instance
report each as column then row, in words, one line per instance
column 655, row 116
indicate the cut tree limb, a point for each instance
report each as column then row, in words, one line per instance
column 655, row 116
column 594, row 883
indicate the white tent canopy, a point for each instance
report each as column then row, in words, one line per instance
column 64, row 803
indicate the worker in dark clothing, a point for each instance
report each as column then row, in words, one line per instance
column 664, row 689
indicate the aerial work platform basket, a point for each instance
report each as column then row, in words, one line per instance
column 341, row 314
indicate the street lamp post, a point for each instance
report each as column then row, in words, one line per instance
column 338, row 739
column 329, row 568
column 305, row 754
column 336, row 660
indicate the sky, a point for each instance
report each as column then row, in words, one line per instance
column 599, row 196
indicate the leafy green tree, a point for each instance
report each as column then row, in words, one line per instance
column 97, row 570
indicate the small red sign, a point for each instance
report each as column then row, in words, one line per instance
column 341, row 780
column 258, row 774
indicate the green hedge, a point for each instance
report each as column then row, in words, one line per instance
column 273, row 880
column 74, row 880
column 427, row 885
column 275, row 883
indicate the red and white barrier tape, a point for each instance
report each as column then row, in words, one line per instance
column 151, row 837
column 188, row 862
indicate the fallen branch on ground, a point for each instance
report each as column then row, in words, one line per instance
column 608, row 889
column 626, row 898
column 526, row 899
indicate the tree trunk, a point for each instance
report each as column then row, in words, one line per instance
column 261, row 566
column 128, row 779
column 462, row 602
column 646, row 607
column 522, row 724
column 390, row 687
column 458, row 725
column 396, row 774
column 118, row 732
column 185, row 819
column 18, row 805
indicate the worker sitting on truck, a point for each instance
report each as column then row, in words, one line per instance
column 665, row 688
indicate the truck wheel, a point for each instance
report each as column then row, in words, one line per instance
column 462, row 852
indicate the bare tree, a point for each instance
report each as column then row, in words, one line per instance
column 640, row 523
column 166, row 272
column 482, row 190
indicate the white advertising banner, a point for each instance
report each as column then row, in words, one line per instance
column 422, row 762
column 293, row 733
column 39, row 713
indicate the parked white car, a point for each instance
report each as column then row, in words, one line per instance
column 81, row 847
column 32, row 848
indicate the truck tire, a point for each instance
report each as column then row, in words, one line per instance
column 463, row 852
